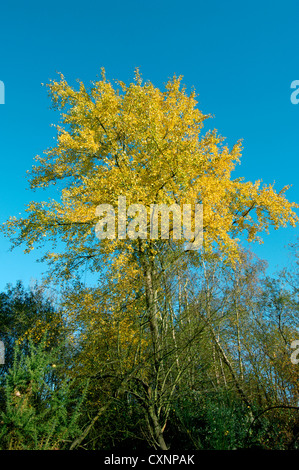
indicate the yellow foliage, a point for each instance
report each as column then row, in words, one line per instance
column 148, row 145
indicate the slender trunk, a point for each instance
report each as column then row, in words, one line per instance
column 88, row 428
column 151, row 303
column 230, row 367
column 238, row 330
column 158, row 432
column 152, row 317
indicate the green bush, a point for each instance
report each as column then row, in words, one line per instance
column 40, row 411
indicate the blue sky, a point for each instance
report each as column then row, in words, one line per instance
column 241, row 58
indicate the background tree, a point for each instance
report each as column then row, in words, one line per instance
column 28, row 312
column 147, row 145
column 41, row 409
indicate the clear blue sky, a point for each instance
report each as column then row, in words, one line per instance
column 241, row 57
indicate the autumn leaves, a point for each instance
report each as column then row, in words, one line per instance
column 146, row 145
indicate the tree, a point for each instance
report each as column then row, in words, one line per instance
column 41, row 410
column 146, row 145
column 28, row 313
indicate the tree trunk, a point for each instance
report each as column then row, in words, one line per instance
column 158, row 433
column 151, row 302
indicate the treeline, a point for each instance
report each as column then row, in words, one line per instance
column 85, row 370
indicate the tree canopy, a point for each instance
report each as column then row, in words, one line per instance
column 149, row 146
